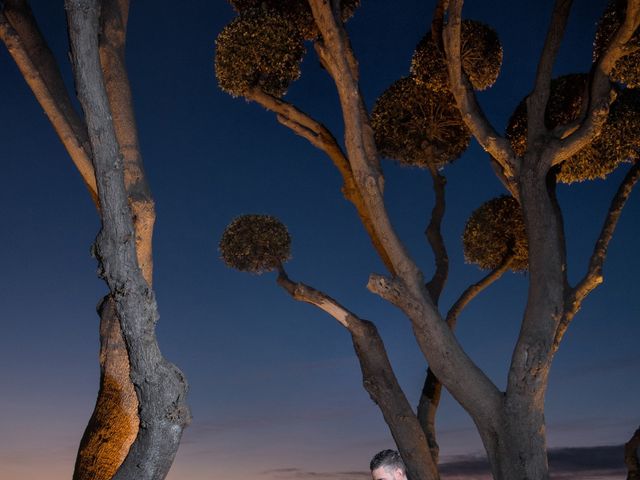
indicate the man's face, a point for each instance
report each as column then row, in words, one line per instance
column 388, row 473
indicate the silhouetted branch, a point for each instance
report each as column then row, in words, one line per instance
column 474, row 290
column 594, row 275
column 434, row 236
column 437, row 22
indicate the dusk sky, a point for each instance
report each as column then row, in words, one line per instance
column 275, row 388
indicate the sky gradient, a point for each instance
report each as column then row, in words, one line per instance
column 275, row 388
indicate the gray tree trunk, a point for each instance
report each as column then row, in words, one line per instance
column 160, row 386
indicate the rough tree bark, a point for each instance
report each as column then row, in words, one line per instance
column 378, row 379
column 114, row 422
column 160, row 386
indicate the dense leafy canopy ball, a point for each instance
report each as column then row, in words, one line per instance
column 481, row 54
column 627, row 69
column 565, row 102
column 297, row 12
column 258, row 50
column 255, row 243
column 618, row 142
column 418, row 126
column 493, row 231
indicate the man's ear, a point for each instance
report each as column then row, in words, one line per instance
column 398, row 474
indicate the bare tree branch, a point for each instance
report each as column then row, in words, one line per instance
column 21, row 35
column 437, row 22
column 434, row 236
column 160, row 386
column 594, row 276
column 378, row 378
column 631, row 456
column 486, row 135
column 114, row 15
column 432, row 388
column 474, row 290
column 600, row 95
column 537, row 101
column 319, row 136
column 439, row 346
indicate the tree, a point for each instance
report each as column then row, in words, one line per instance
column 569, row 129
column 141, row 409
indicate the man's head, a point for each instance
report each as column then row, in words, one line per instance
column 387, row 465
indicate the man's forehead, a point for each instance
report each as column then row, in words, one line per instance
column 384, row 472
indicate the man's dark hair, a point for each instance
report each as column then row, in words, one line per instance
column 387, row 458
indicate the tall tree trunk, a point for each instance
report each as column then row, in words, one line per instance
column 159, row 385
column 521, row 446
column 115, row 361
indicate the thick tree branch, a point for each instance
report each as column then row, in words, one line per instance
column 320, row 136
column 113, row 18
column 600, row 95
column 116, row 408
column 631, row 456
column 21, row 35
column 160, row 386
column 463, row 378
column 378, row 378
column 537, row 101
column 434, row 236
column 432, row 388
column 486, row 135
column 594, row 276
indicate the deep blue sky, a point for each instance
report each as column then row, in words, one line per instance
column 274, row 383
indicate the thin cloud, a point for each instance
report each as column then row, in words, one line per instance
column 592, row 463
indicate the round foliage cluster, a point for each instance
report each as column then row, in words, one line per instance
column 627, row 69
column 618, row 142
column 255, row 243
column 494, row 231
column 297, row 12
column 481, row 57
column 565, row 102
column 258, row 49
column 418, row 126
